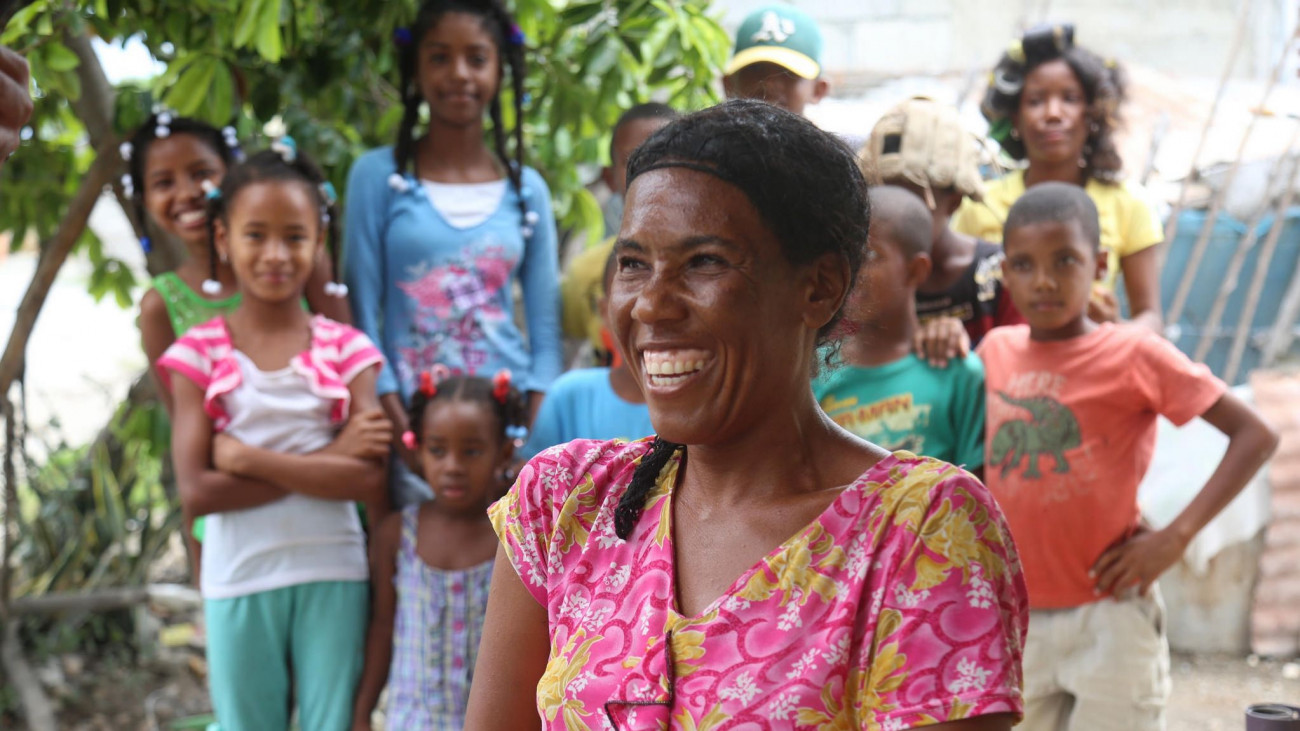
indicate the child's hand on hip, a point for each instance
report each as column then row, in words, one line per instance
column 1138, row 561
column 941, row 339
column 367, row 435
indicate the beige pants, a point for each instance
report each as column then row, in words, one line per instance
column 1099, row 667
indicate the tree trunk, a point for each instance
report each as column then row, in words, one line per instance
column 52, row 258
column 95, row 110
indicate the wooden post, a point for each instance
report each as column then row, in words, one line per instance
column 1229, row 283
column 1262, row 265
column 1203, row 242
column 1171, row 226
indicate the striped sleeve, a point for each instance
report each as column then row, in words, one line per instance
column 356, row 353
column 187, row 356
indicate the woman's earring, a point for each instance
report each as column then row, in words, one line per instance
column 1015, row 133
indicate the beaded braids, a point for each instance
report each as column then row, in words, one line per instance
column 806, row 186
column 1104, row 86
column 501, row 26
column 160, row 125
column 281, row 163
column 498, row 394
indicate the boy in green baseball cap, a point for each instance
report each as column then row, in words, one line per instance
column 777, row 59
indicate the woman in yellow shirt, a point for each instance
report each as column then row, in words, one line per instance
column 1056, row 105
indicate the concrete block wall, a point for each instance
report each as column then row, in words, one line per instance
column 871, row 38
column 1275, row 619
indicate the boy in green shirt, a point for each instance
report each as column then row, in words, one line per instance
column 879, row 389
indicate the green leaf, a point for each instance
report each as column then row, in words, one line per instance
column 60, row 58
column 250, row 14
column 580, row 13
column 190, row 90
column 268, row 32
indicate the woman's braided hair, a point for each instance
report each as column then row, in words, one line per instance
column 806, row 186
column 500, row 25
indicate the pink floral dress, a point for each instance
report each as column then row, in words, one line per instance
column 901, row 606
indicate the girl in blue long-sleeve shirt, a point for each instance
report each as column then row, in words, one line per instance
column 440, row 226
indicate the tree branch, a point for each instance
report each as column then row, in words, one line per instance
column 52, row 258
column 36, row 706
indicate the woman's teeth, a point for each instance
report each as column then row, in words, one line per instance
column 191, row 217
column 665, row 367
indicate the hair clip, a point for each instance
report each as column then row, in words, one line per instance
column 531, row 218
column 212, row 287
column 286, row 148
column 526, row 230
column 230, row 135
column 402, row 36
column 146, row 244
column 517, row 37
column 125, row 149
column 408, row 439
column 517, row 433
column 328, row 193
column 210, row 190
column 128, row 185
column 427, row 385
column 398, row 183
column 501, row 385
column 336, row 289
column 163, row 127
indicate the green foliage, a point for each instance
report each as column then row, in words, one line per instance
column 329, row 71
column 98, row 516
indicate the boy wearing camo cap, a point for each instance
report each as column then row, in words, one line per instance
column 921, row 145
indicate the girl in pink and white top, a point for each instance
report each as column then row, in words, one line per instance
column 276, row 432
column 754, row 566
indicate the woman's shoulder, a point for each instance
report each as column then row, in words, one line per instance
column 533, row 180
column 376, row 163
column 916, row 494
column 567, row 465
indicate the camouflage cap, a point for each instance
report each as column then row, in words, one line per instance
column 923, row 142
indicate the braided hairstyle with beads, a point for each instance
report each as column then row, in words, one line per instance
column 805, row 185
column 276, row 165
column 498, row 394
column 161, row 125
column 500, row 25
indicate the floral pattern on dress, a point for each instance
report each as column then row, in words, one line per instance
column 902, row 605
column 454, row 305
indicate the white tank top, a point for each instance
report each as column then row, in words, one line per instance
column 294, row 540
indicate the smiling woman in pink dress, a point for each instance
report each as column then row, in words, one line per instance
column 754, row 565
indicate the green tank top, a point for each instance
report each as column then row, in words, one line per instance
column 187, row 308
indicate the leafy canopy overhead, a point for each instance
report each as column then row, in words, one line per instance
column 328, row 70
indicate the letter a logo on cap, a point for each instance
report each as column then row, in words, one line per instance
column 775, row 29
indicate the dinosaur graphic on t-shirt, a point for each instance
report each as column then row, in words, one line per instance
column 1052, row 430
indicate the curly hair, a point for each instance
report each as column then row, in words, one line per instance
column 1105, row 86
column 806, row 186
column 500, row 25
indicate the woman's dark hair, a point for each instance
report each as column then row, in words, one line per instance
column 506, row 403
column 1105, row 86
column 273, row 166
column 221, row 143
column 805, row 184
column 500, row 25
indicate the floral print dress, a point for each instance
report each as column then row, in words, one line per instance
column 902, row 605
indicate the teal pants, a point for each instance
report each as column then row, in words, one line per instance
column 313, row 633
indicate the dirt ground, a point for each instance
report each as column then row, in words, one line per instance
column 1209, row 694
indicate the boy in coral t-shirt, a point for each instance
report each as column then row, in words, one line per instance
column 1071, row 427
